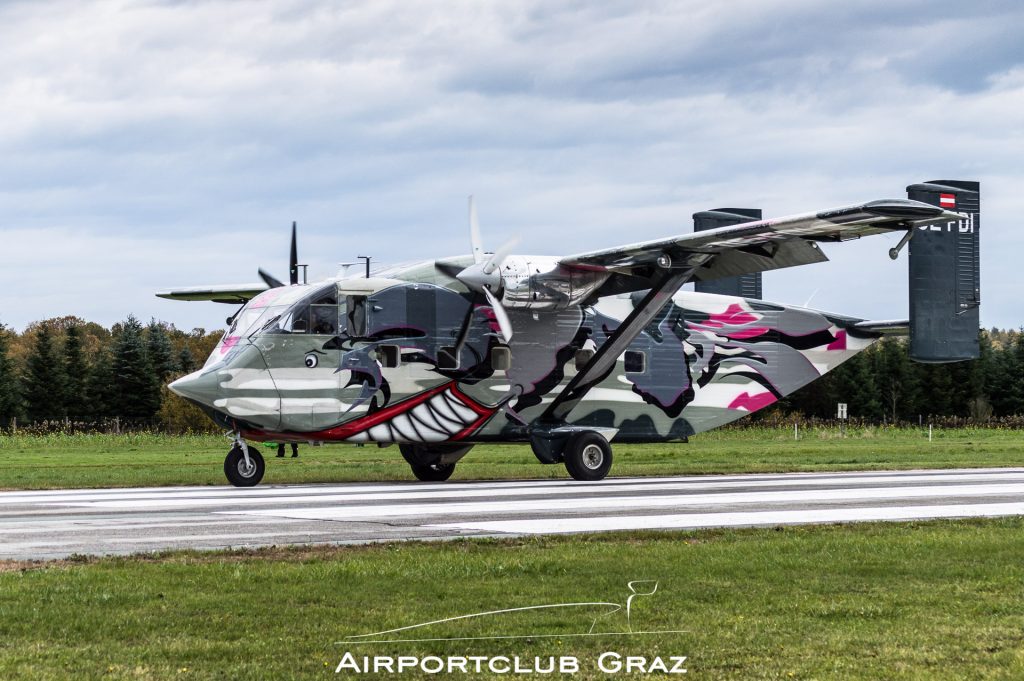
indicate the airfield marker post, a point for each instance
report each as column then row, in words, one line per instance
column 841, row 415
column 929, row 432
column 796, row 431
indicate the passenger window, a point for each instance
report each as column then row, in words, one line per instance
column 390, row 356
column 320, row 315
column 356, row 316
column 501, row 358
column 635, row 362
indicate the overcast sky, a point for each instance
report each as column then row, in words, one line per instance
column 151, row 145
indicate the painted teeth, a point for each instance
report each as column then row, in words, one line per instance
column 435, row 420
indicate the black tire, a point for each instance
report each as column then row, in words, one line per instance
column 235, row 469
column 438, row 472
column 588, row 457
column 422, row 455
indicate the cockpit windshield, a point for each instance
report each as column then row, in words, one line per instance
column 263, row 314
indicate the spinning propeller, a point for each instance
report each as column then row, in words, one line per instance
column 293, row 267
column 484, row 275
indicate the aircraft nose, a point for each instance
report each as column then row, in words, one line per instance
column 200, row 387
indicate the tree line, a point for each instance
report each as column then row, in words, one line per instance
column 882, row 384
column 68, row 370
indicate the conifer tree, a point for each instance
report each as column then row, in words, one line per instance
column 99, row 388
column 896, row 382
column 161, row 352
column 76, row 372
column 136, row 390
column 9, row 399
column 855, row 385
column 186, row 362
column 44, row 379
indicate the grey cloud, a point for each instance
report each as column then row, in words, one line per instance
column 173, row 143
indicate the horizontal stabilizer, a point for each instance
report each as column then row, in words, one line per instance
column 886, row 327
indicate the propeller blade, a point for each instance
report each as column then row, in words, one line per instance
column 293, row 260
column 504, row 323
column 450, row 269
column 270, row 280
column 494, row 262
column 474, row 232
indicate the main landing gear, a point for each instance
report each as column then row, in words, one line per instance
column 588, row 456
column 433, row 463
column 586, row 453
column 244, row 465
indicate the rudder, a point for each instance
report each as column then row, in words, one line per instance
column 744, row 285
column 945, row 275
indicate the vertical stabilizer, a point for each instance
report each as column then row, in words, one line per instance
column 945, row 274
column 746, row 285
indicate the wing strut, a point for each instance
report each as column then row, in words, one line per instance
column 604, row 359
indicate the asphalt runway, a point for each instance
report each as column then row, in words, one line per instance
column 55, row 524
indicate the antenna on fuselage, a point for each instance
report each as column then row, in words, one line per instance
column 293, row 258
column 367, row 259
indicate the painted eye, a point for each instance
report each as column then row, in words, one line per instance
column 312, row 360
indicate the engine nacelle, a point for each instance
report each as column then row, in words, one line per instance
column 539, row 282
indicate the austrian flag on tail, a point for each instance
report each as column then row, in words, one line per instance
column 947, row 200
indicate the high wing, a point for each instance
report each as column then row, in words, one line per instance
column 753, row 246
column 663, row 265
column 234, row 294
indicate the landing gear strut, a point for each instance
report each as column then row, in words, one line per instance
column 244, row 465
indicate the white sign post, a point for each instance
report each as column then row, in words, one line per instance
column 841, row 415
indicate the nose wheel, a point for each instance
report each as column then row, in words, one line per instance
column 244, row 466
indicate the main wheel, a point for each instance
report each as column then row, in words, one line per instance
column 238, row 473
column 588, row 457
column 438, row 472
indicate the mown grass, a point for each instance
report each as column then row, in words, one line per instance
column 935, row 600
column 149, row 459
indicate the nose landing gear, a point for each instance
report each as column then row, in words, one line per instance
column 244, row 465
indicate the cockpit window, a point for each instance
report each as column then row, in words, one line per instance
column 318, row 314
column 323, row 319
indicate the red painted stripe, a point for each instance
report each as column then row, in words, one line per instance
column 347, row 430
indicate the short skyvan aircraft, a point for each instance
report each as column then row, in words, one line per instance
column 567, row 353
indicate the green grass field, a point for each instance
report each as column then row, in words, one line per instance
column 937, row 600
column 55, row 461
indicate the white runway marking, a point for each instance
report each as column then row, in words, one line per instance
column 257, row 497
column 48, row 524
column 699, row 520
column 635, row 502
